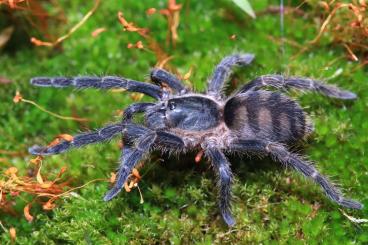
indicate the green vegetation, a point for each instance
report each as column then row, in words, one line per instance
column 271, row 205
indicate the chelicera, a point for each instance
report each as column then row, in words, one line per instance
column 252, row 120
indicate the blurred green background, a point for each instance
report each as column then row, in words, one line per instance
column 271, row 205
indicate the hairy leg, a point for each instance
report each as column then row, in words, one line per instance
column 108, row 82
column 224, row 70
column 131, row 155
column 165, row 140
column 279, row 81
column 161, row 77
column 103, row 134
column 222, row 167
column 133, row 109
column 138, row 141
column 293, row 160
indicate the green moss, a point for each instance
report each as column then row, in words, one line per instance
column 271, row 206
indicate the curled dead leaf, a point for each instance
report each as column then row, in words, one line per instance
column 27, row 214
column 39, row 177
column 66, row 137
column 12, row 233
column 136, row 96
column 5, row 35
column 37, row 160
column 188, row 74
column 4, row 80
column 18, row 97
column 198, row 157
column 136, row 173
column 11, row 171
column 138, row 45
column 49, row 205
column 151, row 11
column 126, row 187
column 233, row 37
column 98, row 31
column 113, row 177
column 130, row 26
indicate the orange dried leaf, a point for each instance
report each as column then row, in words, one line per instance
column 11, row 171
column 352, row 56
column 4, row 80
column 324, row 5
column 5, row 35
column 136, row 173
column 38, row 176
column 48, row 205
column 126, row 187
column 198, row 157
column 98, row 31
column 113, row 177
column 46, row 185
column 136, row 96
column 232, row 37
column 139, row 45
column 173, row 18
column 165, row 12
column 54, row 142
column 129, row 26
column 151, row 11
column 66, row 137
column 18, row 97
column 188, row 74
column 27, row 214
column 131, row 184
column 37, row 160
column 38, row 42
column 173, row 6
column 12, row 233
column 62, row 170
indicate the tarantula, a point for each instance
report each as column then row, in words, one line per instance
column 252, row 120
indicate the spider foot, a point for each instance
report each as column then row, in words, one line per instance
column 228, row 218
column 348, row 203
column 44, row 151
column 111, row 194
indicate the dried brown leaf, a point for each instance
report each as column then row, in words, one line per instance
column 151, row 11
column 98, row 31
column 12, row 233
column 5, row 35
column 27, row 214
column 4, row 80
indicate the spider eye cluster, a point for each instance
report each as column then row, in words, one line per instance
column 172, row 105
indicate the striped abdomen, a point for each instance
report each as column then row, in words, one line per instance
column 267, row 115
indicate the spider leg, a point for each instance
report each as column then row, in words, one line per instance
column 163, row 139
column 108, row 82
column 279, row 81
column 102, row 134
column 280, row 153
column 224, row 69
column 138, row 141
column 133, row 109
column 131, row 155
column 161, row 77
column 222, row 168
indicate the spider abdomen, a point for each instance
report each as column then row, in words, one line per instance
column 268, row 115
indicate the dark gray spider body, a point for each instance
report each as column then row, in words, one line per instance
column 252, row 120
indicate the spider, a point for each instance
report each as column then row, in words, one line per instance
column 252, row 120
